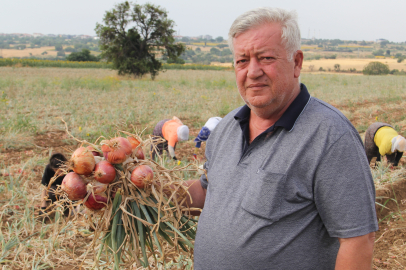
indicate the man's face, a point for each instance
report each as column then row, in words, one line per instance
column 266, row 80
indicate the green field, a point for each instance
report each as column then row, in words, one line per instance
column 96, row 102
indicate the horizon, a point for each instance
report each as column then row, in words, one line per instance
column 344, row 20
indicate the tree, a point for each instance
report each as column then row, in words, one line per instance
column 82, row 56
column 376, row 68
column 219, row 39
column 60, row 53
column 58, row 47
column 133, row 35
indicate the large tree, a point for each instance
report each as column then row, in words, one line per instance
column 134, row 35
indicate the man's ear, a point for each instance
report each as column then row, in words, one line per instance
column 298, row 59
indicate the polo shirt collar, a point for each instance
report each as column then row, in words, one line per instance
column 287, row 120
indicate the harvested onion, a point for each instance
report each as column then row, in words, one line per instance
column 134, row 142
column 116, row 150
column 97, row 187
column 82, row 161
column 95, row 201
column 142, row 176
column 139, row 153
column 74, row 186
column 104, row 172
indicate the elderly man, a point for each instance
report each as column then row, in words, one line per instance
column 288, row 185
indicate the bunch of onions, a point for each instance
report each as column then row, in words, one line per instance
column 141, row 176
column 74, row 186
column 116, row 150
column 82, row 161
column 104, row 172
column 95, row 201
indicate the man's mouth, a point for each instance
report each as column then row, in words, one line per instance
column 256, row 86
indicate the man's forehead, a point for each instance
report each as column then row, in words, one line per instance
column 260, row 37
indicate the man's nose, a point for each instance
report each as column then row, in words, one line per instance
column 254, row 69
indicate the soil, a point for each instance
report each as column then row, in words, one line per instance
column 390, row 246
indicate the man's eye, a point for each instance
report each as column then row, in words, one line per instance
column 241, row 61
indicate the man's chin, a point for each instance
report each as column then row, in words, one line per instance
column 258, row 105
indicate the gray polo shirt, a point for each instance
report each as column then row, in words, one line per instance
column 282, row 201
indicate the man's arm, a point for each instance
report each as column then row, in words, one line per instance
column 356, row 252
column 197, row 196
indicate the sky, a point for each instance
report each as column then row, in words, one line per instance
column 343, row 19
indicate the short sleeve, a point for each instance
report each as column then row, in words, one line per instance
column 344, row 191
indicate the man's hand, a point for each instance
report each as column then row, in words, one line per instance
column 356, row 252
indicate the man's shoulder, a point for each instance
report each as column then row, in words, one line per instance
column 325, row 118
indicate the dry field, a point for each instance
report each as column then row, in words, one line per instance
column 347, row 63
column 97, row 102
column 9, row 53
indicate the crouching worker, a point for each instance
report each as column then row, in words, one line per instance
column 204, row 133
column 172, row 131
column 48, row 195
column 381, row 139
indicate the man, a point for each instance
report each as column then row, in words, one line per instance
column 172, row 131
column 382, row 139
column 288, row 185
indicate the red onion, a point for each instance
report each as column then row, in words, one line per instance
column 97, row 187
column 116, row 150
column 104, row 172
column 96, row 201
column 82, row 161
column 74, row 186
column 142, row 175
column 140, row 154
column 133, row 141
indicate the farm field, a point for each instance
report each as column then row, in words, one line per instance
column 345, row 64
column 348, row 63
column 96, row 102
column 9, row 53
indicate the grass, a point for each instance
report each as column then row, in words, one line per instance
column 97, row 102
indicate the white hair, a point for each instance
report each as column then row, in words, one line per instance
column 287, row 20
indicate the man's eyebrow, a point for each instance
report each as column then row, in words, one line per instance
column 241, row 55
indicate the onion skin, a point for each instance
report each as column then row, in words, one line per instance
column 95, row 202
column 83, row 161
column 141, row 176
column 116, row 150
column 133, row 141
column 104, row 172
column 74, row 186
column 97, row 187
